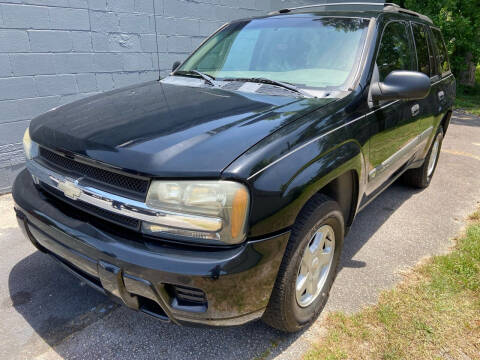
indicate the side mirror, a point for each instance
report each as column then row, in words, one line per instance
column 175, row 65
column 401, row 85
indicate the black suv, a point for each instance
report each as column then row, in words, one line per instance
column 222, row 193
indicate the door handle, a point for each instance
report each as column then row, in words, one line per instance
column 415, row 110
column 441, row 95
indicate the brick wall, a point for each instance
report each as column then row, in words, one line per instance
column 56, row 51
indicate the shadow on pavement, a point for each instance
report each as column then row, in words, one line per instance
column 57, row 305
column 465, row 119
column 370, row 219
column 52, row 300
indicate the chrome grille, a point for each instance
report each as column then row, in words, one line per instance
column 118, row 219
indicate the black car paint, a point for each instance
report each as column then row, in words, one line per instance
column 165, row 131
column 285, row 149
column 309, row 159
column 237, row 280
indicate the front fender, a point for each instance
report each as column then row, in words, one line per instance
column 281, row 190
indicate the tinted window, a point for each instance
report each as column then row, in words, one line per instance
column 394, row 52
column 441, row 52
column 307, row 51
column 421, row 44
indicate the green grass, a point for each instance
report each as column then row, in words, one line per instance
column 433, row 314
column 468, row 100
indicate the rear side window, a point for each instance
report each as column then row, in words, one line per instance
column 395, row 52
column 421, row 44
column 440, row 52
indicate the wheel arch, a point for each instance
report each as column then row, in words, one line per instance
column 344, row 190
column 446, row 121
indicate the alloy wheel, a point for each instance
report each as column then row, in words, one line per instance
column 315, row 266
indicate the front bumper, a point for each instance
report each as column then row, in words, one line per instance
column 236, row 282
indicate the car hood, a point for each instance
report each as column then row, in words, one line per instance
column 166, row 130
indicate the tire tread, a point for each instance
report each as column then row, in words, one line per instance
column 418, row 177
column 276, row 313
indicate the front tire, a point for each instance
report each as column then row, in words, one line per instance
column 421, row 177
column 308, row 267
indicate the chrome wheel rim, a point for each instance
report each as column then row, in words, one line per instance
column 433, row 156
column 315, row 266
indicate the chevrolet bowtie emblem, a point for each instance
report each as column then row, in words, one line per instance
column 69, row 189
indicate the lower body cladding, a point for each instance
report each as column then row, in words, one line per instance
column 218, row 287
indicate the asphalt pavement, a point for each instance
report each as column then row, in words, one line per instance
column 46, row 313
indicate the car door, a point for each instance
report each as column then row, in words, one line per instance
column 443, row 86
column 427, row 107
column 393, row 123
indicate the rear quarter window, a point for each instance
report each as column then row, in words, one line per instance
column 441, row 54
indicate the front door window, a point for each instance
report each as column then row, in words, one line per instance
column 395, row 52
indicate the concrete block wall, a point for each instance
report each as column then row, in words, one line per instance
column 56, row 51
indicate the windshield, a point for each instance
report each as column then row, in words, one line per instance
column 305, row 51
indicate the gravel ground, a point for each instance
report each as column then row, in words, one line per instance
column 48, row 314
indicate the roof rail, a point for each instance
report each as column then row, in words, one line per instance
column 398, row 9
column 365, row 3
column 391, row 7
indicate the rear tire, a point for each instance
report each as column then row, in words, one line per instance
column 421, row 177
column 290, row 307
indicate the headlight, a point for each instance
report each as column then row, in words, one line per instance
column 205, row 211
column 30, row 147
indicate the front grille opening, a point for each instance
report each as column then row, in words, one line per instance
column 108, row 180
column 187, row 296
column 150, row 307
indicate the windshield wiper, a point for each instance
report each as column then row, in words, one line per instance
column 208, row 79
column 262, row 80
